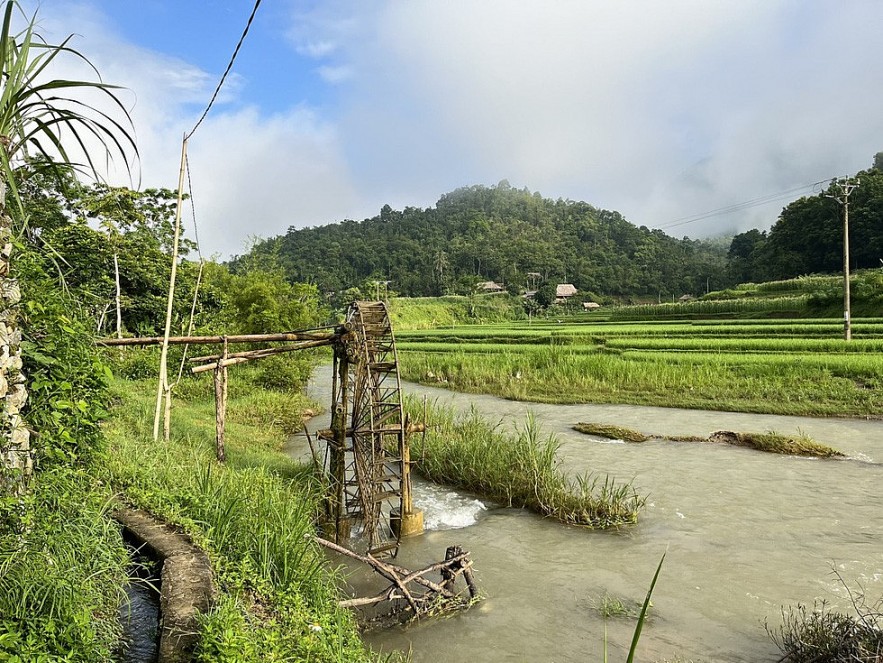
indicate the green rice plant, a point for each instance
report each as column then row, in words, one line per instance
column 610, row 432
column 520, row 469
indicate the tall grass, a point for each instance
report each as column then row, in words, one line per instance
column 253, row 514
column 519, row 469
column 61, row 577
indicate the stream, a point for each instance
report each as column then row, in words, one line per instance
column 745, row 533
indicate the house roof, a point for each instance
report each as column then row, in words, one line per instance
column 565, row 290
column 489, row 286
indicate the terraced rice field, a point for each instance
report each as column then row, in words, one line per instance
column 788, row 366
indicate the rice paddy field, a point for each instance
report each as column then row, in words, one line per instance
column 778, row 366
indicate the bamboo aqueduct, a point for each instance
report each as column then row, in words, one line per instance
column 366, row 468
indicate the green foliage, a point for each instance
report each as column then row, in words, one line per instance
column 496, row 233
column 519, row 470
column 807, row 238
column 61, row 576
column 67, row 380
column 254, row 514
column 36, row 114
column 429, row 312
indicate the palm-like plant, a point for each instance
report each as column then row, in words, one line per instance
column 40, row 117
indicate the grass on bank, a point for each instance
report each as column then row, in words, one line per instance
column 777, row 443
column 254, row 515
column 62, row 575
column 518, row 469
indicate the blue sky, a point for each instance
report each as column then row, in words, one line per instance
column 660, row 110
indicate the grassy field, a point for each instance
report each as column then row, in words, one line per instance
column 784, row 366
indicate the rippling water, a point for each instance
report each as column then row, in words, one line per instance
column 745, row 533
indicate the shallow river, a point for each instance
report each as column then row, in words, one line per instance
column 745, row 533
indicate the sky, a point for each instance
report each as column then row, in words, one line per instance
column 663, row 111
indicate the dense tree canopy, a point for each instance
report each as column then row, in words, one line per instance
column 502, row 234
column 807, row 238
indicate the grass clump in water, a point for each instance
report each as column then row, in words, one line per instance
column 520, row 469
column 611, row 432
column 610, row 606
column 772, row 442
column 822, row 635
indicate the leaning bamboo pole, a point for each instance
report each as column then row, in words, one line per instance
column 162, row 388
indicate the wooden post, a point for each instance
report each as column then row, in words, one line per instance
column 447, row 574
column 337, row 448
column 220, row 405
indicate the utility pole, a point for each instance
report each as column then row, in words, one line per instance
column 846, row 188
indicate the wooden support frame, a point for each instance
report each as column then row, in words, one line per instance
column 420, row 603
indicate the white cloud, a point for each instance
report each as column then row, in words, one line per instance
column 335, row 75
column 256, row 176
column 658, row 110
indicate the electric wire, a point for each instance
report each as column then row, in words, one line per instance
column 738, row 207
column 226, row 71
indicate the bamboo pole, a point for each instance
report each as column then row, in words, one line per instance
column 116, row 274
column 262, row 352
column 163, row 383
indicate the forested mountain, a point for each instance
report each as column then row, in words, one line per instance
column 808, row 236
column 502, row 234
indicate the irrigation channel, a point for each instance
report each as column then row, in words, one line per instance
column 746, row 533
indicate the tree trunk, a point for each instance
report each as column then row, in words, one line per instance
column 15, row 438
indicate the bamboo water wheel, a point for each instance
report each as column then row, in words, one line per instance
column 368, row 463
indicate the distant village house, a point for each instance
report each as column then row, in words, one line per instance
column 489, row 286
column 563, row 292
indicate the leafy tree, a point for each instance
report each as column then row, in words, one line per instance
column 495, row 233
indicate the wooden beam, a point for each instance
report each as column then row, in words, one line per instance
column 326, row 338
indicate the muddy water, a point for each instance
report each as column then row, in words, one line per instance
column 745, row 533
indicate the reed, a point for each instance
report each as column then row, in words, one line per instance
column 61, row 576
column 518, row 468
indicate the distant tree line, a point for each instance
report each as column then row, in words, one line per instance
column 807, row 238
column 512, row 236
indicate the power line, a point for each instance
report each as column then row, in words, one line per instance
column 226, row 71
column 737, row 207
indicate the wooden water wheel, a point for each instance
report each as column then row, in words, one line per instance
column 368, row 461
